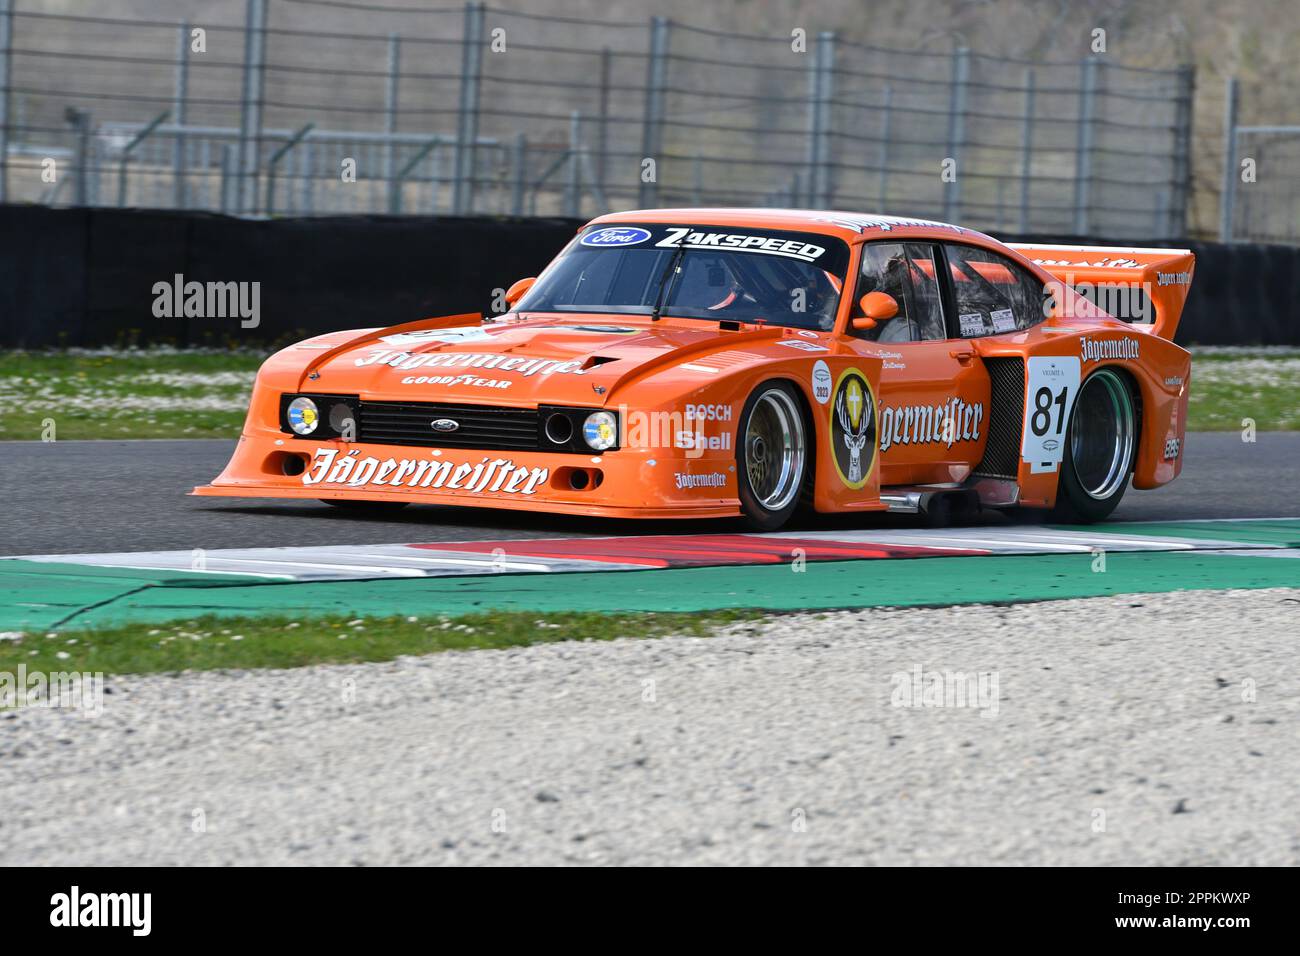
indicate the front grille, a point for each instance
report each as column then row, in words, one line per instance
column 1006, row 416
column 481, row 426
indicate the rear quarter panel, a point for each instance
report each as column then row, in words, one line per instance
column 1157, row 370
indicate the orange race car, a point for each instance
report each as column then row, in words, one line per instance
column 709, row 363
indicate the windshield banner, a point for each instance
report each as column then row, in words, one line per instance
column 826, row 252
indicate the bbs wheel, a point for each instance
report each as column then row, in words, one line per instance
column 771, row 456
column 1099, row 449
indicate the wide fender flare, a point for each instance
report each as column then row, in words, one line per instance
column 709, row 407
column 1158, row 373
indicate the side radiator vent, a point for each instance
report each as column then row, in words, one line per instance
column 1006, row 415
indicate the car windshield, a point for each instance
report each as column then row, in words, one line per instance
column 714, row 273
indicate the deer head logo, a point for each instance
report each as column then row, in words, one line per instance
column 854, row 415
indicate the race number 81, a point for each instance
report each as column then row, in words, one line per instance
column 1041, row 422
column 1051, row 384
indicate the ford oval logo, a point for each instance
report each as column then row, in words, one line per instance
column 616, row 236
column 444, row 425
column 1051, row 444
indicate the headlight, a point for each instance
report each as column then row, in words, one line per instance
column 600, row 431
column 343, row 421
column 303, row 416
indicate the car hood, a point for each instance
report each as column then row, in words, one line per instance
column 571, row 359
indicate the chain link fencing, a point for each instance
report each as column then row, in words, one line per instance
column 323, row 107
column 1260, row 201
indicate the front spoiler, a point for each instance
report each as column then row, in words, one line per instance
column 632, row 483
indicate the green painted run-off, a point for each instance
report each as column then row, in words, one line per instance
column 39, row 596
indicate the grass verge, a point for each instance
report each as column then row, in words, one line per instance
column 1231, row 385
column 262, row 642
column 125, row 393
column 203, row 393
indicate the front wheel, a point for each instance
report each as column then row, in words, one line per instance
column 771, row 456
column 1099, row 449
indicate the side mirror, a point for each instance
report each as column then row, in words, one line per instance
column 876, row 308
column 516, row 291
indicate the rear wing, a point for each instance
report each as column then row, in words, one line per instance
column 1161, row 277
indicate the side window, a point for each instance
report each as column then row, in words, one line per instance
column 906, row 272
column 993, row 294
column 925, row 292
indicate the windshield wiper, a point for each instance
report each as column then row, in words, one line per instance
column 665, row 284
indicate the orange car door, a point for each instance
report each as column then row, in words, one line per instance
column 934, row 391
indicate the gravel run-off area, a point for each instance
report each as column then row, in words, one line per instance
column 1144, row 729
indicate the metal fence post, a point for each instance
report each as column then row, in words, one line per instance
column 274, row 161
column 390, row 112
column 435, row 178
column 307, row 169
column 260, row 102
column 250, row 117
column 6, row 72
column 1083, row 145
column 820, row 80
column 826, row 197
column 178, row 113
column 1182, row 153
column 652, row 131
column 1230, row 171
column 956, row 131
column 573, row 187
column 886, row 124
column 471, row 69
column 1026, row 152
column 245, row 102
column 518, row 156
column 80, row 122
column 229, row 173
column 602, row 122
column 129, row 148
column 395, row 197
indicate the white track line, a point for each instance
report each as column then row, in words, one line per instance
column 408, row 560
column 465, row 562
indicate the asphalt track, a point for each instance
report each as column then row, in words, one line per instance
column 85, row 496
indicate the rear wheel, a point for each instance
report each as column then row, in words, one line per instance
column 771, row 456
column 1099, row 449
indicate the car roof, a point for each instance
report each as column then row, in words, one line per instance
column 846, row 225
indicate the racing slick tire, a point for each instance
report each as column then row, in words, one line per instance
column 357, row 505
column 772, row 459
column 1100, row 448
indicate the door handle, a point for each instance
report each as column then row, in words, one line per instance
column 962, row 355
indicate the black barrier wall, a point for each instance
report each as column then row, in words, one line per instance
column 86, row 277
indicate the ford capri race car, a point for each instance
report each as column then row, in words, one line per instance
column 716, row 362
